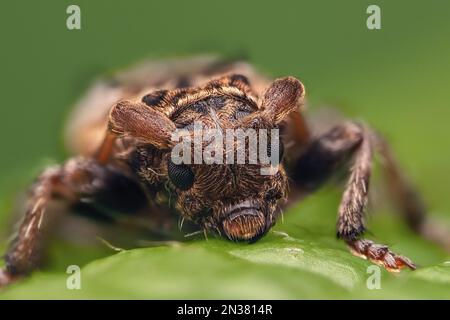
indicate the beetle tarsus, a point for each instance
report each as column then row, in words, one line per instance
column 380, row 255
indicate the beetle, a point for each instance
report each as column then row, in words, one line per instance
column 121, row 133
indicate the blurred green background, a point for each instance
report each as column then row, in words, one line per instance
column 396, row 79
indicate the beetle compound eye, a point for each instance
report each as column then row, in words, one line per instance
column 180, row 175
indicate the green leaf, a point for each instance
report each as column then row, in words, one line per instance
column 277, row 267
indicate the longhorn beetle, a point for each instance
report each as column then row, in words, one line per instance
column 121, row 133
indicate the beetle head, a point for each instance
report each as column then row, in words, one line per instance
column 238, row 200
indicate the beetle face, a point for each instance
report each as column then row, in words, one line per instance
column 237, row 199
